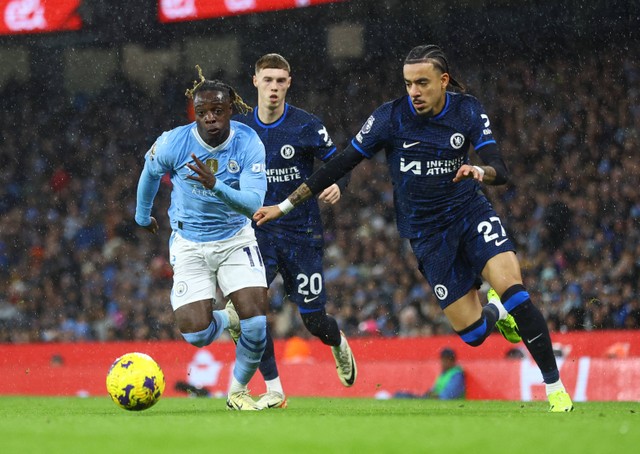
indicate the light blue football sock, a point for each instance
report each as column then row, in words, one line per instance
column 250, row 347
column 210, row 333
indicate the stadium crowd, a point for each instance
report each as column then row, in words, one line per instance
column 74, row 267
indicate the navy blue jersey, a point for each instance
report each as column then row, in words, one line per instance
column 292, row 144
column 293, row 244
column 423, row 154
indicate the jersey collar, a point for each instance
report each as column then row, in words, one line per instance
column 440, row 115
column 208, row 147
column 275, row 123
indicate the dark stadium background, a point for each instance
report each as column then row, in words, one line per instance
column 74, row 131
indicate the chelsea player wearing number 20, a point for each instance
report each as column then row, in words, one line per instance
column 293, row 246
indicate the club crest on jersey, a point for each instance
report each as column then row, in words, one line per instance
column 287, row 151
column 233, row 167
column 440, row 291
column 212, row 164
column 456, row 140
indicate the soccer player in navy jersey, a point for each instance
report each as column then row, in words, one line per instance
column 217, row 170
column 454, row 231
column 293, row 246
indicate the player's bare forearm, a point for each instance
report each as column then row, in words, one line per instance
column 301, row 194
column 269, row 213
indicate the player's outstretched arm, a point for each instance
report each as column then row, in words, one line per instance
column 269, row 213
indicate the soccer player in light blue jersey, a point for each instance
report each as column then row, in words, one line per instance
column 293, row 246
column 217, row 169
column 454, row 231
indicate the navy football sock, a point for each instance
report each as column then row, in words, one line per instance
column 268, row 366
column 533, row 330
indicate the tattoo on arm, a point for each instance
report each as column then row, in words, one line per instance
column 301, row 194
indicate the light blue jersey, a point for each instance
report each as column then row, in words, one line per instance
column 200, row 214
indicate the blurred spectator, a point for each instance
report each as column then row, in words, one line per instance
column 450, row 383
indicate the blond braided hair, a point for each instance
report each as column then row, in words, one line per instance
column 217, row 85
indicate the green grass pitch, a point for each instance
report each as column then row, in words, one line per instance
column 316, row 425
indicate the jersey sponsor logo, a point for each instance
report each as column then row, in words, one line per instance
column 308, row 300
column 409, row 145
column 233, row 167
column 283, row 175
column 456, row 140
column 431, row 168
column 258, row 167
column 212, row 164
column 287, row 151
column 441, row 291
column 501, row 242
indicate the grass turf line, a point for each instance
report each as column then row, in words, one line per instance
column 316, row 425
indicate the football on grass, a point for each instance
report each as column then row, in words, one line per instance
column 135, row 381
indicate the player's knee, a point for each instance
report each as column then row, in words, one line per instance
column 322, row 326
column 475, row 334
column 254, row 330
column 313, row 321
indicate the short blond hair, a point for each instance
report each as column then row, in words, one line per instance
column 275, row 61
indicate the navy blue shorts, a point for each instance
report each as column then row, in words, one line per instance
column 452, row 258
column 298, row 259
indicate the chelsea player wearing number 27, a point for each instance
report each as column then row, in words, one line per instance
column 454, row 231
column 218, row 180
column 293, row 246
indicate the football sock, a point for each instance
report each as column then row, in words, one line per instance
column 502, row 312
column 274, row 385
column 250, row 347
column 533, row 330
column 209, row 334
column 322, row 326
column 553, row 387
column 236, row 386
column 223, row 318
column 476, row 333
column 268, row 366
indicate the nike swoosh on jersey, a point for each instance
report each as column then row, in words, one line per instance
column 501, row 242
column 409, row 145
column 308, row 300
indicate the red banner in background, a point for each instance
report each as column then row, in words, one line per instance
column 603, row 365
column 186, row 10
column 39, row 16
